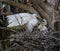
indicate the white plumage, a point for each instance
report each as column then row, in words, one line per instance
column 26, row 18
column 33, row 22
column 17, row 19
column 21, row 19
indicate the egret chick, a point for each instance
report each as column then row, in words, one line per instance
column 42, row 26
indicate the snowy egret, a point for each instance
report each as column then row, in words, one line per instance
column 21, row 19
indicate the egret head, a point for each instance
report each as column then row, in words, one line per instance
column 35, row 15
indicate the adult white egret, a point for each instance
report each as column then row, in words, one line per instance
column 21, row 19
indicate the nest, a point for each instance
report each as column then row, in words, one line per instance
column 20, row 40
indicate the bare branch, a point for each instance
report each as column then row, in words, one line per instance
column 8, row 29
column 20, row 5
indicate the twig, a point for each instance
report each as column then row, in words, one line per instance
column 8, row 29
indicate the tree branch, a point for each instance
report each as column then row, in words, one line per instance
column 20, row 5
column 9, row 29
column 44, row 6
